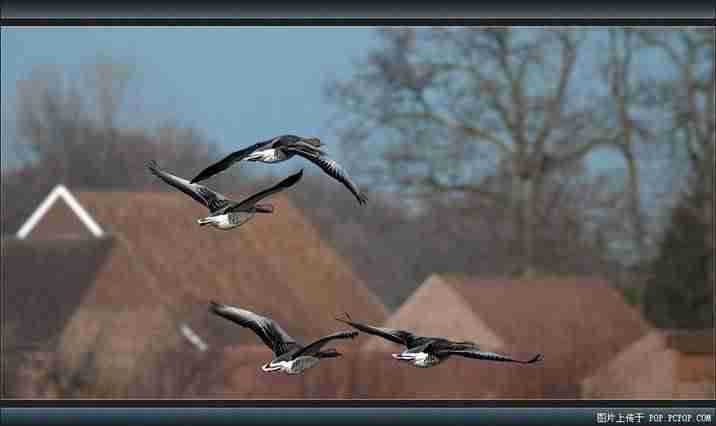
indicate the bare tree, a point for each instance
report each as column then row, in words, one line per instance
column 109, row 81
column 78, row 132
column 458, row 106
column 469, row 235
column 686, row 94
column 623, row 99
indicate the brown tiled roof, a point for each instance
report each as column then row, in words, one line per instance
column 445, row 307
column 576, row 324
column 163, row 269
column 649, row 369
column 643, row 370
column 43, row 283
column 582, row 323
column 275, row 264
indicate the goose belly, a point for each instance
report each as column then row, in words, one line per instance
column 419, row 359
column 301, row 364
column 427, row 360
column 229, row 220
column 238, row 218
column 269, row 156
column 223, row 222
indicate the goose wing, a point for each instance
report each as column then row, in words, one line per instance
column 210, row 199
column 252, row 200
column 333, row 169
column 227, row 161
column 318, row 344
column 267, row 329
column 400, row 337
column 475, row 353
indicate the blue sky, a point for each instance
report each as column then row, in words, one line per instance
column 236, row 85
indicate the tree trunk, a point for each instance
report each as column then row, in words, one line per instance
column 518, row 217
column 528, row 263
column 534, row 206
column 634, row 197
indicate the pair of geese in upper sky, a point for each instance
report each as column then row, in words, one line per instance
column 227, row 214
column 289, row 356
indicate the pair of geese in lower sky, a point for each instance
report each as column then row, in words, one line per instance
column 292, row 357
column 289, row 356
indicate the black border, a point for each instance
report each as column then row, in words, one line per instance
column 356, row 22
column 355, row 403
column 443, row 9
column 33, row 16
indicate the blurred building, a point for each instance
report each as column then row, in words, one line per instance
column 578, row 324
column 115, row 281
column 665, row 364
column 434, row 309
column 108, row 291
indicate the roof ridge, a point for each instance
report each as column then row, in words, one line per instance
column 59, row 191
column 458, row 302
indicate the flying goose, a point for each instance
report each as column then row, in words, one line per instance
column 282, row 148
column 225, row 214
column 426, row 352
column 290, row 357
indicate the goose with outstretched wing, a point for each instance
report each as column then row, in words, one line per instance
column 282, row 148
column 427, row 352
column 290, row 357
column 225, row 214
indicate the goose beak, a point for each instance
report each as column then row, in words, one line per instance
column 267, row 368
column 402, row 357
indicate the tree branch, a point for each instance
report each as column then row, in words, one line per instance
column 434, row 185
column 455, row 125
column 555, row 103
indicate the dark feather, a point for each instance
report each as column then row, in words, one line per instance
column 267, row 329
column 318, row 344
column 227, row 161
column 334, row 170
column 490, row 356
column 210, row 199
column 400, row 337
column 252, row 200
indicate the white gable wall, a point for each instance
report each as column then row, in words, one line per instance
column 60, row 191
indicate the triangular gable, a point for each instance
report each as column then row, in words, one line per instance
column 643, row 370
column 436, row 309
column 60, row 191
